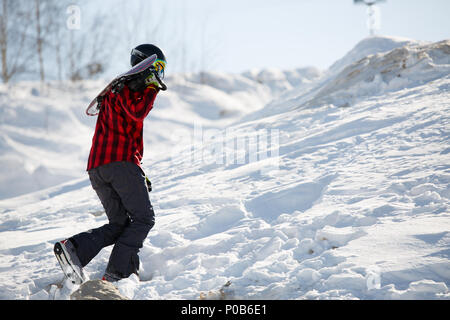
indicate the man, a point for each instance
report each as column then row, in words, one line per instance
column 116, row 175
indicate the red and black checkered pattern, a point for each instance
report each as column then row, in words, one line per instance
column 119, row 128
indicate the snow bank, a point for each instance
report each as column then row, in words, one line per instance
column 370, row 46
column 404, row 67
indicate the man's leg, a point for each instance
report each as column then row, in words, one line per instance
column 129, row 183
column 88, row 244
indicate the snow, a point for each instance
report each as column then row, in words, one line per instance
column 271, row 184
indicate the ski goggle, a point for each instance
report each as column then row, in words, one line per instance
column 137, row 53
column 159, row 66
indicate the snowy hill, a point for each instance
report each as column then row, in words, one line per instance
column 350, row 202
column 45, row 136
column 371, row 46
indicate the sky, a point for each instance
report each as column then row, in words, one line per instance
column 240, row 35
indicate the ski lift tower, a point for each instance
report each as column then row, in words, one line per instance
column 373, row 12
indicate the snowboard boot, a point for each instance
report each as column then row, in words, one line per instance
column 111, row 277
column 68, row 259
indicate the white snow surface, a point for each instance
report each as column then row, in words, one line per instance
column 353, row 204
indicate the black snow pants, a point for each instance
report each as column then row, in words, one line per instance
column 123, row 193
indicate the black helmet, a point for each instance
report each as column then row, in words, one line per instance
column 144, row 51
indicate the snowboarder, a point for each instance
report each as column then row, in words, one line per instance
column 115, row 172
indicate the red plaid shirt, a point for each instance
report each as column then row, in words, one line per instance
column 119, row 128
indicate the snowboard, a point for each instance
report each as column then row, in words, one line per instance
column 117, row 83
column 71, row 271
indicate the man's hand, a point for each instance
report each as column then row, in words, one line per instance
column 151, row 80
column 149, row 184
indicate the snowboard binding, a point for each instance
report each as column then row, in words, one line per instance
column 116, row 85
column 72, row 272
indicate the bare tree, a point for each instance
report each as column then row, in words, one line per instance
column 89, row 48
column 39, row 38
column 37, row 31
column 46, row 14
column 58, row 36
column 137, row 22
column 14, row 38
column 79, row 48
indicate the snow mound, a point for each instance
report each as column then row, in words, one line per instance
column 280, row 81
column 369, row 46
column 404, row 67
column 376, row 66
column 272, row 80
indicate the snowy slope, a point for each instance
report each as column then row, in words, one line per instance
column 45, row 136
column 351, row 202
